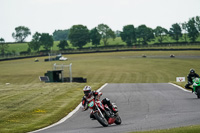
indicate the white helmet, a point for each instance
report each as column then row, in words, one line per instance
column 87, row 91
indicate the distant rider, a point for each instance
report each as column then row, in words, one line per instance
column 190, row 77
column 89, row 95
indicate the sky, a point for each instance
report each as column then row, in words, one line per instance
column 46, row 16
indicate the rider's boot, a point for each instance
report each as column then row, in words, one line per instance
column 191, row 89
column 114, row 110
column 112, row 106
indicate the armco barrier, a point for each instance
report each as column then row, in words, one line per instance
column 101, row 51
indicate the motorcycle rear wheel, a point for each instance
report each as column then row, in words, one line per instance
column 101, row 119
column 118, row 120
column 198, row 92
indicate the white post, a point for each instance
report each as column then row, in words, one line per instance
column 54, row 66
column 62, row 76
column 70, row 72
column 49, row 56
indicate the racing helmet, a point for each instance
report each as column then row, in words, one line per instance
column 192, row 71
column 87, row 91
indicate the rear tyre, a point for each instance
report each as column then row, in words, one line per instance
column 198, row 92
column 118, row 120
column 101, row 119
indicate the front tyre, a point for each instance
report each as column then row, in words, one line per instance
column 101, row 119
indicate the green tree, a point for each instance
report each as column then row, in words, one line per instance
column 2, row 40
column 95, row 37
column 128, row 35
column 144, row 34
column 79, row 35
column 46, row 40
column 161, row 33
column 3, row 46
column 175, row 32
column 35, row 42
column 59, row 35
column 63, row 44
column 106, row 33
column 21, row 33
column 112, row 34
column 184, row 28
column 197, row 22
column 192, row 29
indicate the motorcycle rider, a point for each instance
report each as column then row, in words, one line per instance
column 89, row 95
column 190, row 77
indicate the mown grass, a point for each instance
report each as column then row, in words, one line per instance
column 27, row 104
column 188, row 129
column 32, row 106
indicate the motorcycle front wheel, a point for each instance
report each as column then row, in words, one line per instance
column 101, row 119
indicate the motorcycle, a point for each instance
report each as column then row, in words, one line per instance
column 103, row 114
column 196, row 86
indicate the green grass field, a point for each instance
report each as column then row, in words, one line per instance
column 19, row 47
column 189, row 129
column 27, row 104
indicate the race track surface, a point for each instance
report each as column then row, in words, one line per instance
column 142, row 106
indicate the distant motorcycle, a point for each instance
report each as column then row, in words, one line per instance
column 103, row 114
column 196, row 86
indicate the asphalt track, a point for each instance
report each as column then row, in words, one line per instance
column 142, row 106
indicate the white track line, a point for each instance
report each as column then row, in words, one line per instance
column 67, row 117
column 180, row 87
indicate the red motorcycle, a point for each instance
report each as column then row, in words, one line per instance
column 103, row 114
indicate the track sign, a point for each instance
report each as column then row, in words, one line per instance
column 45, row 78
column 180, row 79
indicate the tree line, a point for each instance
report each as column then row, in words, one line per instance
column 80, row 35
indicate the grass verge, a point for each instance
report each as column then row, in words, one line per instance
column 188, row 129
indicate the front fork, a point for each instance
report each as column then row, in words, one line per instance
column 100, row 112
column 194, row 89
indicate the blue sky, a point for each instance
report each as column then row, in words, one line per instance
column 45, row 16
